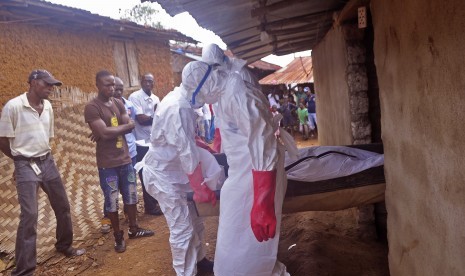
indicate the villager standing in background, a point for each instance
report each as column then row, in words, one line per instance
column 130, row 140
column 26, row 126
column 109, row 122
column 145, row 103
column 311, row 107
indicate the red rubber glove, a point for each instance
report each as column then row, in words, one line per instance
column 201, row 191
column 262, row 216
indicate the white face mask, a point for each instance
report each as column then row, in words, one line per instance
column 197, row 100
column 211, row 89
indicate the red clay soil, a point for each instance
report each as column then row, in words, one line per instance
column 312, row 243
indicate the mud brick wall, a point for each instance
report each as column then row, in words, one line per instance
column 418, row 50
column 72, row 56
column 155, row 57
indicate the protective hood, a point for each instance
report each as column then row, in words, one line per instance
column 202, row 84
column 212, row 54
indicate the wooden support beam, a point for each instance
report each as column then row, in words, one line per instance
column 252, row 40
column 254, row 57
column 300, row 29
column 308, row 18
column 350, row 10
column 261, row 11
column 295, row 47
column 241, row 52
column 237, row 32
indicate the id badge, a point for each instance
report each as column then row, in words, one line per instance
column 35, row 167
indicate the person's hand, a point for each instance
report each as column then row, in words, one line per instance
column 262, row 216
column 131, row 124
column 93, row 138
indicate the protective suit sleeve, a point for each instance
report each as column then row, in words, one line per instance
column 254, row 120
column 185, row 140
column 174, row 125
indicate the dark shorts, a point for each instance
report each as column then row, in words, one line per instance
column 112, row 180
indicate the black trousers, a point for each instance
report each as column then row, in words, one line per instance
column 150, row 203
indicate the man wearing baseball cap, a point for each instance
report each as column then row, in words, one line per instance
column 26, row 126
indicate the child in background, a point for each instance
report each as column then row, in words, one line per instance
column 287, row 109
column 274, row 110
column 302, row 113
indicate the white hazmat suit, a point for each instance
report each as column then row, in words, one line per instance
column 214, row 56
column 173, row 161
column 246, row 246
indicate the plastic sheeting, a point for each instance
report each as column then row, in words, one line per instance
column 327, row 162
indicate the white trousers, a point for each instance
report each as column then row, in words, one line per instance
column 186, row 228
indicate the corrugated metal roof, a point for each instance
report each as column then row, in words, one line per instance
column 300, row 70
column 253, row 29
column 43, row 12
column 263, row 65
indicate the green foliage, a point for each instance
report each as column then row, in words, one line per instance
column 143, row 14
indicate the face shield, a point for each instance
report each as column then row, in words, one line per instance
column 202, row 83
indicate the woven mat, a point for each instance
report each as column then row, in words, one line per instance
column 75, row 157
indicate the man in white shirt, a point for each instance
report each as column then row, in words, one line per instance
column 273, row 98
column 26, row 126
column 145, row 104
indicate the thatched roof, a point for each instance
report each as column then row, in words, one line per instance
column 36, row 12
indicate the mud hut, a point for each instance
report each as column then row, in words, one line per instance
column 73, row 44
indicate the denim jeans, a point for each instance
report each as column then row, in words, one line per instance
column 115, row 180
column 312, row 120
column 133, row 162
column 27, row 184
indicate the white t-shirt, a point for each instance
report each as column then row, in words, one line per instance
column 29, row 133
column 143, row 104
column 273, row 100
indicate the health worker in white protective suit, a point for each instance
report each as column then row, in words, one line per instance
column 252, row 196
column 174, row 160
column 214, row 56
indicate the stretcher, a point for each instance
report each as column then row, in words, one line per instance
column 361, row 188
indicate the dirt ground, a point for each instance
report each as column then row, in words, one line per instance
column 312, row 243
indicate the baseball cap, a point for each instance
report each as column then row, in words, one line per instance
column 306, row 89
column 40, row 74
